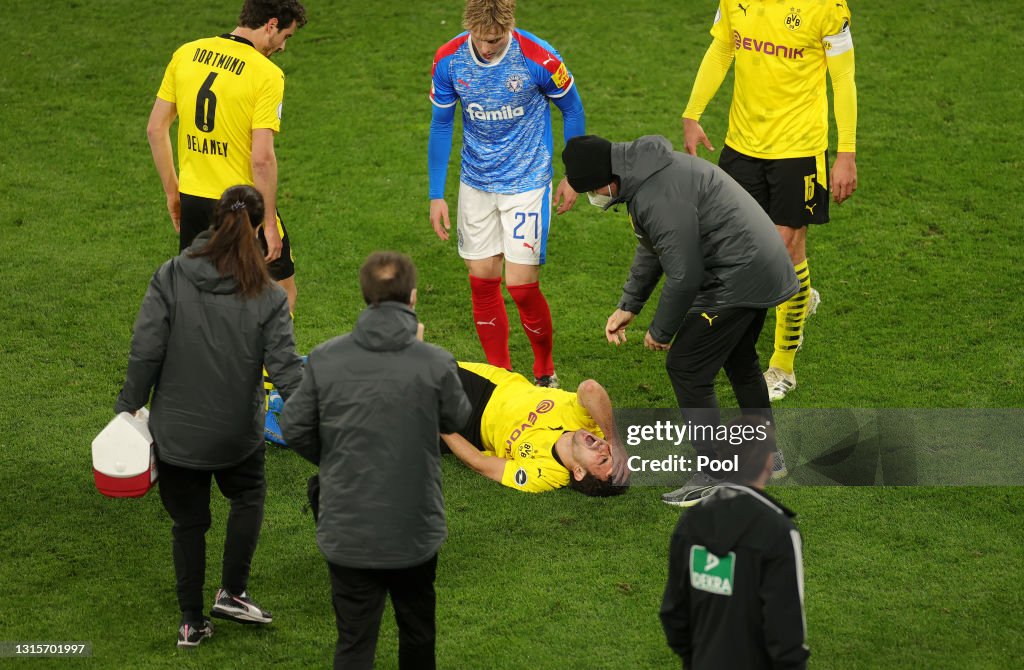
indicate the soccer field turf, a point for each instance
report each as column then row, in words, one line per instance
column 919, row 272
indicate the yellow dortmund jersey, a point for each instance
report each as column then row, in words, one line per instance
column 522, row 422
column 223, row 89
column 779, row 104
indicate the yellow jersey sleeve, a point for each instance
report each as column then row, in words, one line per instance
column 720, row 28
column 269, row 104
column 713, row 68
column 837, row 21
column 838, row 43
column 535, row 475
column 167, row 90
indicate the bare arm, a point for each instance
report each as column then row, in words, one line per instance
column 491, row 467
column 264, row 177
column 595, row 400
column 158, row 130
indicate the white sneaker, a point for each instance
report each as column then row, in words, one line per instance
column 779, row 383
column 812, row 307
column 239, row 608
column 779, row 469
column 700, row 486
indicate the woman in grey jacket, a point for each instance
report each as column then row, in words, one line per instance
column 210, row 321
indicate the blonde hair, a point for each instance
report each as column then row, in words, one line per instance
column 484, row 15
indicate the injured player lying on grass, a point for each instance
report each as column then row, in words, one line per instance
column 527, row 437
column 538, row 439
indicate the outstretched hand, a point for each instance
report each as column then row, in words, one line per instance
column 693, row 135
column 654, row 345
column 565, row 196
column 174, row 209
column 843, row 176
column 615, row 329
column 273, row 239
column 439, row 216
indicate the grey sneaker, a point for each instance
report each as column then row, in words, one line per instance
column 700, row 486
column 779, row 469
column 779, row 383
column 547, row 381
column 191, row 634
column 239, row 608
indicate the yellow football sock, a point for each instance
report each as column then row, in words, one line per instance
column 789, row 322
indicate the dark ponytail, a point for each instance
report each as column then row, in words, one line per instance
column 234, row 248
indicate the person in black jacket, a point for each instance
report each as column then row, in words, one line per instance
column 209, row 322
column 735, row 591
column 368, row 413
column 723, row 262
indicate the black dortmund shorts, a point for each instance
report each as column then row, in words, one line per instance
column 197, row 216
column 793, row 191
column 479, row 390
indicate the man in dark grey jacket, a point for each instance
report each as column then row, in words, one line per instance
column 735, row 591
column 369, row 412
column 723, row 262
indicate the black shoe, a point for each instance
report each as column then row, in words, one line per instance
column 191, row 634
column 547, row 381
column 239, row 608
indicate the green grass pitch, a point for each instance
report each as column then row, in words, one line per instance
column 920, row 275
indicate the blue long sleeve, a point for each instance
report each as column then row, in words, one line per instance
column 439, row 149
column 573, row 119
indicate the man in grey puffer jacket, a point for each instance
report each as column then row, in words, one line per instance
column 723, row 262
column 369, row 412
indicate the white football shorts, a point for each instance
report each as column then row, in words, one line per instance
column 516, row 225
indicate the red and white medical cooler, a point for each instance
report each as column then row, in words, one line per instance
column 123, row 459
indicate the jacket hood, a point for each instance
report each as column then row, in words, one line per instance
column 388, row 326
column 635, row 162
column 725, row 517
column 201, row 272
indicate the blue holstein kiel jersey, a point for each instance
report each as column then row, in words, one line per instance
column 506, row 116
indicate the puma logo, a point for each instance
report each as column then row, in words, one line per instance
column 810, row 208
column 535, row 332
column 531, row 247
column 464, row 83
column 546, row 61
column 487, row 323
column 743, row 8
column 711, row 319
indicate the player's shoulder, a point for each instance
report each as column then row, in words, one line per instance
column 451, row 46
column 840, row 7
column 269, row 67
column 829, row 14
column 537, row 50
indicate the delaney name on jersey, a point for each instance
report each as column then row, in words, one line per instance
column 203, row 145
